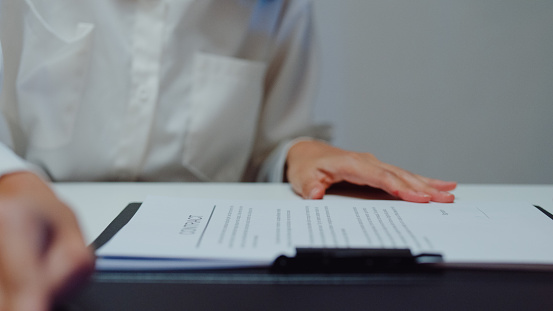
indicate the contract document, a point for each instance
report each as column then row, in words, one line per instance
column 173, row 233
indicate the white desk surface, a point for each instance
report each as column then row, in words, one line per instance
column 96, row 204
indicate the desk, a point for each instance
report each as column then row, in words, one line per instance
column 96, row 204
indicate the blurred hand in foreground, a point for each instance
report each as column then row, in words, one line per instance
column 42, row 252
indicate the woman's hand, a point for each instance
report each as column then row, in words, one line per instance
column 314, row 166
column 42, row 251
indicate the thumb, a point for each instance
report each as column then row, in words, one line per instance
column 313, row 190
column 308, row 186
column 317, row 192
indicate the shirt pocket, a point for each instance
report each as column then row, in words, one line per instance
column 51, row 79
column 225, row 101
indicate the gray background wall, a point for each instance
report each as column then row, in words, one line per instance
column 458, row 90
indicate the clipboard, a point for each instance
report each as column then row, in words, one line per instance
column 300, row 289
column 316, row 260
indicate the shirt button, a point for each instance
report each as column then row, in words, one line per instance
column 69, row 109
column 143, row 94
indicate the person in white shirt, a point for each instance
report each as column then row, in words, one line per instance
column 156, row 90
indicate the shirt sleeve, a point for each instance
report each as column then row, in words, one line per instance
column 10, row 162
column 290, row 86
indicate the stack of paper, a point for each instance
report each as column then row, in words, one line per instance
column 176, row 233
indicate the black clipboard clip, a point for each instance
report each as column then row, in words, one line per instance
column 355, row 260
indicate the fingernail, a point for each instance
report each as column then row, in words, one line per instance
column 314, row 193
column 450, row 197
column 426, row 195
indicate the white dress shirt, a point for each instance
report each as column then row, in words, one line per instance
column 172, row 90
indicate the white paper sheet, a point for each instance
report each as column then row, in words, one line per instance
column 200, row 233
